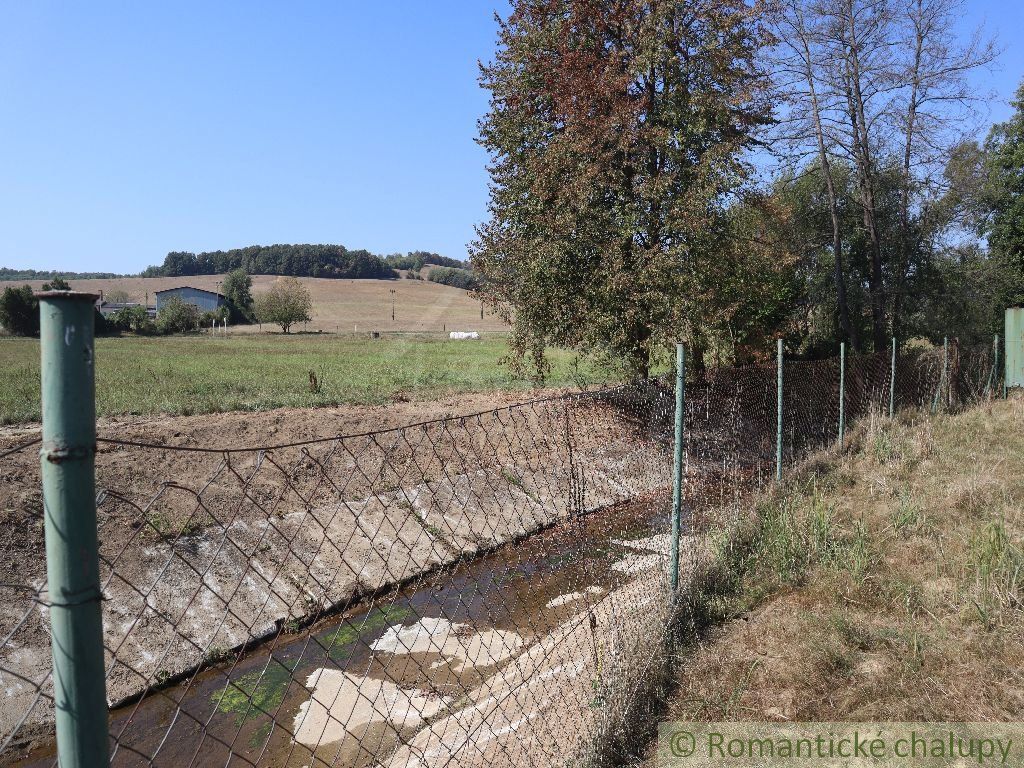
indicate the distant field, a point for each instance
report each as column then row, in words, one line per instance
column 338, row 305
column 198, row 374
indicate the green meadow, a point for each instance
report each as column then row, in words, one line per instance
column 187, row 375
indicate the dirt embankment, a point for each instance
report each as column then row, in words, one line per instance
column 206, row 551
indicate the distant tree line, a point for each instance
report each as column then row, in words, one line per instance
column 48, row 274
column 416, row 260
column 333, row 261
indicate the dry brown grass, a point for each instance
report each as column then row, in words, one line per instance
column 338, row 305
column 885, row 586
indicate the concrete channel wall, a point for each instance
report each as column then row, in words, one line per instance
column 273, row 538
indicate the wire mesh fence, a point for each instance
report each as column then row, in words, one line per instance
column 483, row 589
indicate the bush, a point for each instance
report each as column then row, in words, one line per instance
column 217, row 317
column 19, row 311
column 457, row 278
column 57, row 284
column 177, row 316
column 102, row 326
column 134, row 319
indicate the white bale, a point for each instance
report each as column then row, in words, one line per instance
column 461, row 335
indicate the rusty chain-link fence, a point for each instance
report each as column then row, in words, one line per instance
column 489, row 589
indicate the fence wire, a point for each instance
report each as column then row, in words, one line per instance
column 484, row 589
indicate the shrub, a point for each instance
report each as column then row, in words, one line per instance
column 177, row 316
column 102, row 326
column 57, row 284
column 457, row 278
column 134, row 319
column 19, row 311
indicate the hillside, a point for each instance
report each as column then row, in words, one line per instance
column 342, row 306
column 883, row 585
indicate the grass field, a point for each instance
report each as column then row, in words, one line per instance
column 198, row 374
column 885, row 586
column 338, row 305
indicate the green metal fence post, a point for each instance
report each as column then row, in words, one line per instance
column 67, row 458
column 778, row 415
column 892, row 381
column 677, row 479
column 842, row 393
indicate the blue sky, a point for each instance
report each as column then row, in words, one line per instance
column 131, row 129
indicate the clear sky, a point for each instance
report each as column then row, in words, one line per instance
column 131, row 129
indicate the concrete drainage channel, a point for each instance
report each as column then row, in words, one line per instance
column 520, row 657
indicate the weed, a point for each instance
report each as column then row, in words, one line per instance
column 881, row 447
column 997, row 565
column 795, row 536
column 511, row 477
column 831, row 657
column 161, row 526
column 853, row 634
column 217, row 654
column 907, row 515
column 738, row 690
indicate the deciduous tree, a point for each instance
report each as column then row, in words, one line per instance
column 286, row 302
column 1003, row 221
column 237, row 290
column 616, row 130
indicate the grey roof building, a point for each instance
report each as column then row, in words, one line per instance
column 207, row 301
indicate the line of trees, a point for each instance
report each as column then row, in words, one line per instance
column 627, row 211
column 416, row 260
column 7, row 273
column 334, row 261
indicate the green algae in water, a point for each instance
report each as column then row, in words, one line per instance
column 259, row 738
column 259, row 692
column 339, row 641
column 255, row 693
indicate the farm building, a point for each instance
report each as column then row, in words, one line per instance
column 207, row 301
column 110, row 308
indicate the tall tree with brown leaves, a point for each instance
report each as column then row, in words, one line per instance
column 616, row 130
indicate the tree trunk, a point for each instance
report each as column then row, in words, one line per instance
column 849, row 330
column 865, row 173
